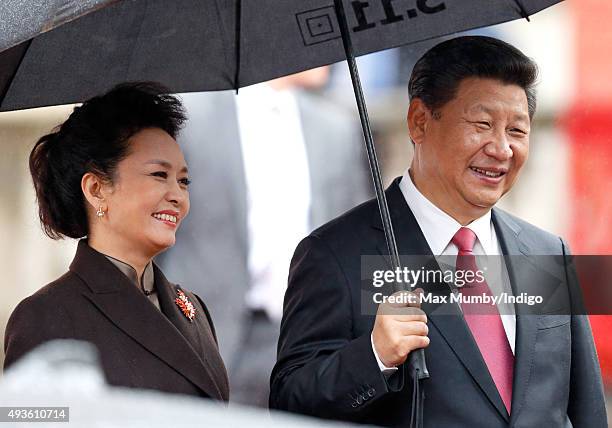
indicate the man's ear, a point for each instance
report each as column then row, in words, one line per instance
column 94, row 189
column 418, row 117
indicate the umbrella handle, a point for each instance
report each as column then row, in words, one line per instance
column 417, row 364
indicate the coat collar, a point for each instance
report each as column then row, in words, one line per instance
column 145, row 282
column 127, row 307
column 438, row 226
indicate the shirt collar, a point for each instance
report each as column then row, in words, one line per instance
column 437, row 226
column 147, row 279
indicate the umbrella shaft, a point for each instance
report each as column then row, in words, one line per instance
column 369, row 141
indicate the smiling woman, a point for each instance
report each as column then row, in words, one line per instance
column 114, row 177
column 141, row 208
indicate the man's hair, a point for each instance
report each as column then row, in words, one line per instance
column 438, row 73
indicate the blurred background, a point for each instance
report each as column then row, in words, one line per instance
column 565, row 186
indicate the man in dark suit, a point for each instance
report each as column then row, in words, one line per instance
column 471, row 105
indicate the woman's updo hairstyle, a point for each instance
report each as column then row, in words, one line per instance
column 94, row 139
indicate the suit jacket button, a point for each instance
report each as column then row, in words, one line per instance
column 371, row 392
column 354, row 404
column 364, row 397
column 359, row 400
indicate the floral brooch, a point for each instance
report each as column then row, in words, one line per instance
column 185, row 305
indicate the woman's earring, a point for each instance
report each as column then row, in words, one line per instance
column 100, row 212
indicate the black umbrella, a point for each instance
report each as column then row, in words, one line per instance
column 204, row 45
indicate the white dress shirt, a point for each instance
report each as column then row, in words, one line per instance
column 439, row 229
column 278, row 190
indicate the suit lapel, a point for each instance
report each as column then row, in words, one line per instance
column 126, row 307
column 167, row 293
column 446, row 318
column 191, row 331
column 524, row 274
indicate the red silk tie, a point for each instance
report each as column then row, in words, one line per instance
column 484, row 321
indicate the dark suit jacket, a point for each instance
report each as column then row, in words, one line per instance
column 326, row 366
column 139, row 346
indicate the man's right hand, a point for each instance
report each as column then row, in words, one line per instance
column 399, row 329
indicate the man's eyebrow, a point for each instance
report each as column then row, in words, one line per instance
column 488, row 110
column 164, row 163
column 482, row 108
column 521, row 117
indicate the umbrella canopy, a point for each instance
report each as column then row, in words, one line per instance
column 203, row 45
column 22, row 20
